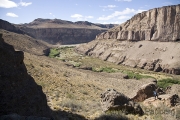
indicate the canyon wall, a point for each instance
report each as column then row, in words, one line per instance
column 63, row 35
column 57, row 31
column 149, row 40
column 158, row 24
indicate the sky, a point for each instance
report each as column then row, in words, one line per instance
column 95, row 11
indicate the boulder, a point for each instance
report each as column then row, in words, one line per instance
column 145, row 91
column 168, row 100
column 113, row 100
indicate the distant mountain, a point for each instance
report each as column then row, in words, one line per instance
column 57, row 31
column 9, row 27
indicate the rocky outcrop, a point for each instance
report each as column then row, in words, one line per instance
column 136, row 43
column 113, row 100
column 18, row 91
column 158, row 24
column 169, row 100
column 145, row 91
column 154, row 56
column 9, row 27
column 25, row 43
column 56, row 31
column 63, row 35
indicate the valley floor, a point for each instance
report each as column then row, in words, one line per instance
column 76, row 90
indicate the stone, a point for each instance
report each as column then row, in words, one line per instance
column 169, row 100
column 113, row 100
column 144, row 92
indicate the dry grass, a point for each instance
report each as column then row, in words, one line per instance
column 77, row 90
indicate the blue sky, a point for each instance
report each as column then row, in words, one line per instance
column 96, row 11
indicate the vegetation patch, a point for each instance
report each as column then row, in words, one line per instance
column 104, row 69
column 164, row 83
column 133, row 75
column 54, row 52
column 72, row 104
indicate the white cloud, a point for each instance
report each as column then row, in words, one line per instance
column 109, row 6
column 124, row 0
column 77, row 16
column 81, row 17
column 89, row 17
column 25, row 4
column 11, row 15
column 120, row 13
column 76, row 4
column 50, row 13
column 11, row 4
column 7, row 4
column 123, row 17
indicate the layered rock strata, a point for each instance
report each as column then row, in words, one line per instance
column 158, row 24
column 56, row 31
column 136, row 42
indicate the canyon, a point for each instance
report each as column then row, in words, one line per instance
column 149, row 40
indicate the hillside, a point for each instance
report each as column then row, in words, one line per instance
column 56, row 31
column 152, row 44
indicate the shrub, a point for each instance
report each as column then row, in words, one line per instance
column 73, row 104
column 167, row 82
column 132, row 75
column 104, row 69
column 112, row 115
column 54, row 52
column 108, row 70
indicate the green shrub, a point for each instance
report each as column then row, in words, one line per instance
column 108, row 70
column 167, row 82
column 54, row 52
column 132, row 75
column 97, row 69
column 104, row 69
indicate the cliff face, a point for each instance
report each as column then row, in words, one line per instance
column 136, row 42
column 56, row 31
column 8, row 26
column 18, row 91
column 159, row 24
column 63, row 35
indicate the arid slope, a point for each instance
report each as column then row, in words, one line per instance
column 138, row 45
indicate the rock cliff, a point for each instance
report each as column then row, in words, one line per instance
column 159, row 24
column 56, row 31
column 136, row 43
column 9, row 27
column 18, row 91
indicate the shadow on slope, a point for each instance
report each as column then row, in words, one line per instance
column 19, row 92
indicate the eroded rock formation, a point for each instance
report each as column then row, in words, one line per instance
column 136, row 43
column 113, row 100
column 159, row 24
column 56, row 31
column 145, row 91
column 18, row 91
